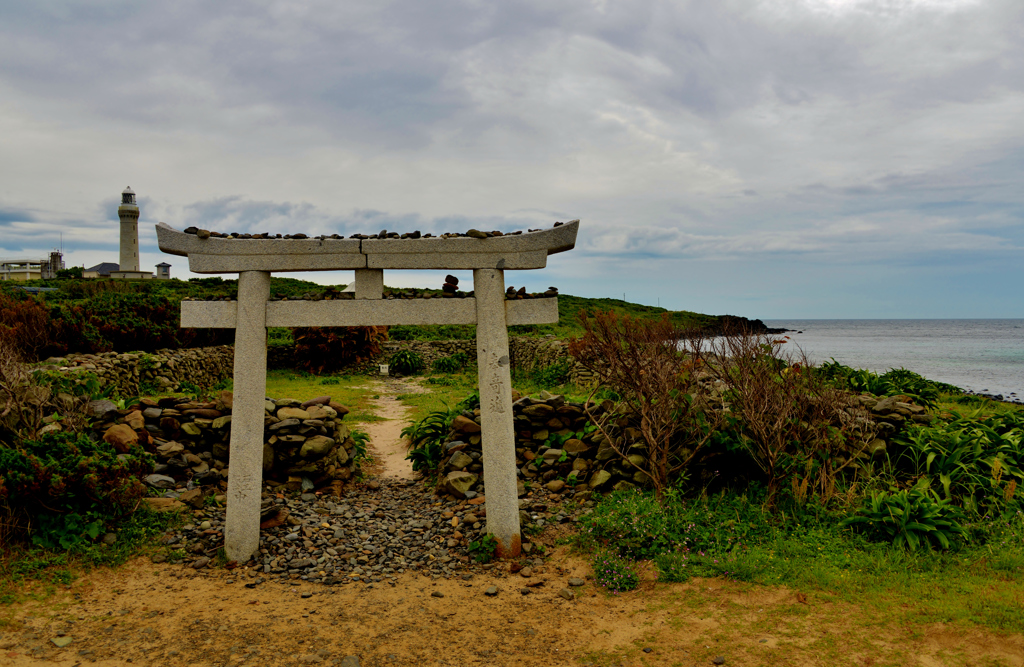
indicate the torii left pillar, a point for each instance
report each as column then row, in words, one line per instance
column 242, row 531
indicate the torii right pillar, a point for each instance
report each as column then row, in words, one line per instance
column 497, row 431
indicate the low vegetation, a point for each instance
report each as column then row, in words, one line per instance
column 762, row 468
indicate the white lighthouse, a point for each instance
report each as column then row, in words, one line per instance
column 128, row 212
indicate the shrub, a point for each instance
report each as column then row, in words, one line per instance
column 788, row 418
column 320, row 349
column 70, row 485
column 659, row 384
column 406, row 362
column 614, row 573
column 24, row 324
column 452, row 364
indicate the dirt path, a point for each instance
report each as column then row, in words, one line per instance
column 387, row 446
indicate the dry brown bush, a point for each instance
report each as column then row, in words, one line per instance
column 655, row 368
column 27, row 401
column 320, row 349
column 797, row 427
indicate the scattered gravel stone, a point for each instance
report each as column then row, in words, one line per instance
column 718, row 660
column 491, row 590
column 61, row 642
column 576, row 581
column 567, row 594
column 437, row 594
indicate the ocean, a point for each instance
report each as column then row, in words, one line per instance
column 979, row 356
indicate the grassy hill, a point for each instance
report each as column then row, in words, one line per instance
column 105, row 314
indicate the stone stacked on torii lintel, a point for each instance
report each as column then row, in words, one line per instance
column 255, row 259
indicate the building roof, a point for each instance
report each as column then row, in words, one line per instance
column 104, row 268
column 163, row 264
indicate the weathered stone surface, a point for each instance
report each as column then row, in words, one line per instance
column 460, row 461
column 316, row 447
column 121, row 437
column 575, row 447
column 319, row 400
column 555, row 486
column 458, row 483
column 292, row 413
column 600, row 478
column 464, row 424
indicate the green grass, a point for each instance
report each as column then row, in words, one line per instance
column 735, row 537
column 352, row 391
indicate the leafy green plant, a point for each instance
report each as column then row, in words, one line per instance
column 73, row 482
column 406, row 362
column 894, row 382
column 976, row 462
column 330, row 381
column 66, row 531
column 482, row 550
column 614, row 573
column 427, row 438
column 452, row 364
column 361, row 438
column 552, row 375
column 912, row 518
column 632, row 522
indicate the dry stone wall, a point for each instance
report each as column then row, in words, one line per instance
column 161, row 371
column 526, row 353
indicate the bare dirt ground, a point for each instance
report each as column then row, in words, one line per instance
column 148, row 614
column 144, row 614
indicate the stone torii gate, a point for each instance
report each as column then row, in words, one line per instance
column 254, row 259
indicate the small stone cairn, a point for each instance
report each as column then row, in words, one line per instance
column 305, row 443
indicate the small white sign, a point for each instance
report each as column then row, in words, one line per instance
column 383, row 369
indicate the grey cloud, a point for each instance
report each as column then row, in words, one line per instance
column 10, row 216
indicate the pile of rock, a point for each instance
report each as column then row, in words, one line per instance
column 305, row 443
column 556, row 447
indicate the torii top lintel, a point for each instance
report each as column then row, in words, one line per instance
column 229, row 255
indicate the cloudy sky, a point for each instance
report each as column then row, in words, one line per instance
column 767, row 158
